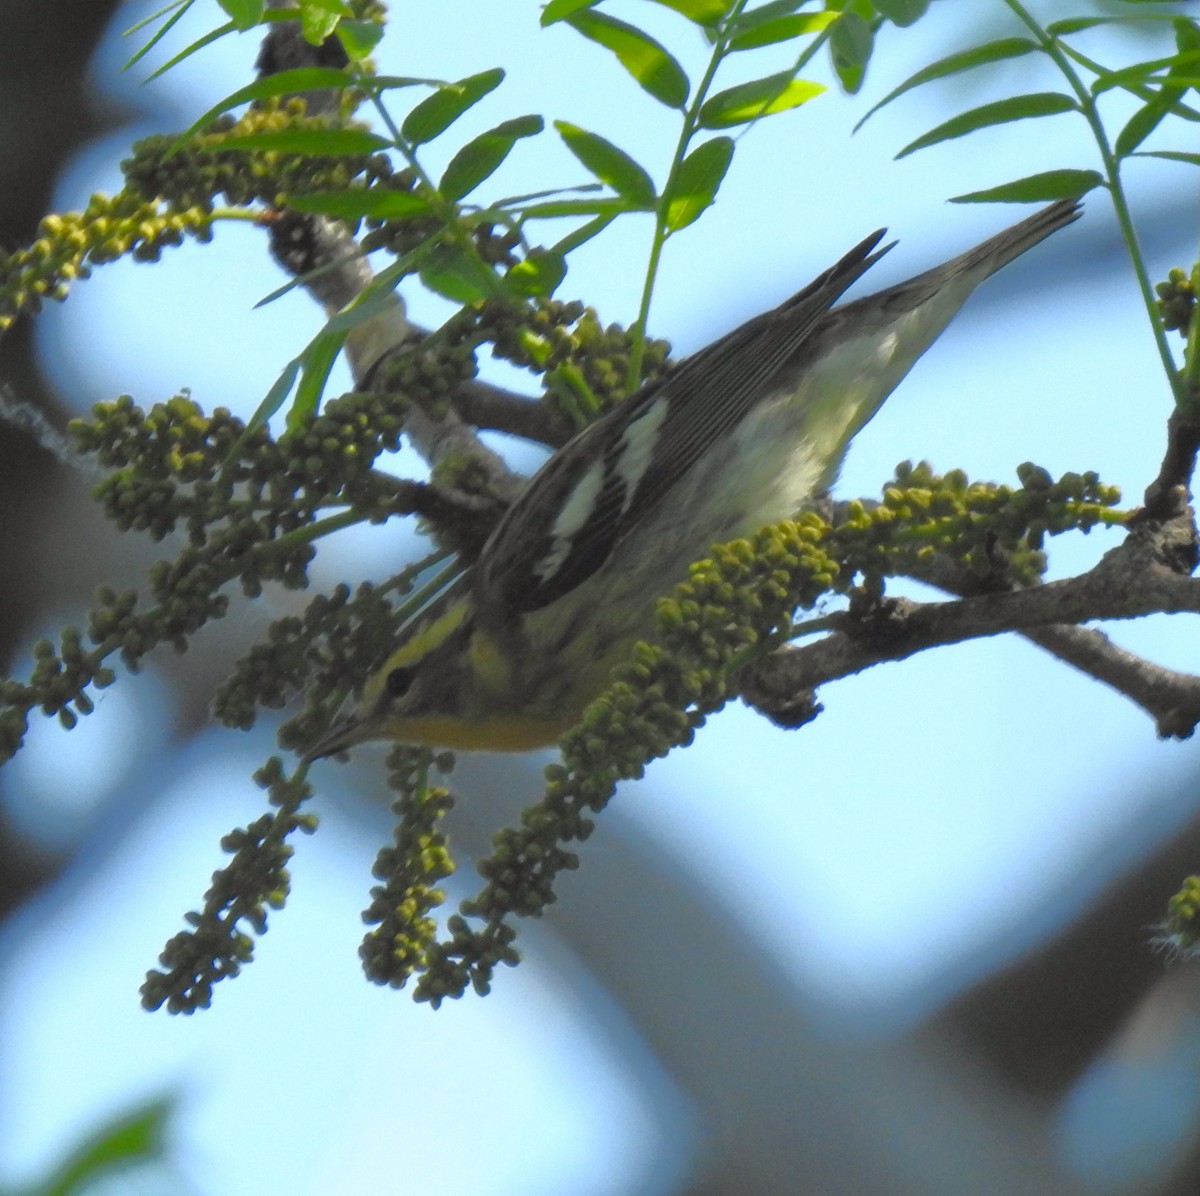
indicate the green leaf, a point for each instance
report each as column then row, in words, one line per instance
column 355, row 203
column 764, row 14
column 307, row 278
column 317, row 142
column 583, row 234
column 902, row 12
column 1079, row 24
column 244, row 14
column 359, row 38
column 560, row 10
column 1139, row 70
column 450, row 271
column 702, row 12
column 694, row 185
column 1141, row 124
column 1170, row 156
column 850, row 44
column 211, row 36
column 133, row 1139
column 576, row 207
column 436, row 113
column 966, row 60
column 749, row 101
column 378, row 83
column 272, row 400
column 319, row 18
column 1043, row 103
column 609, row 164
column 1038, row 188
column 1187, row 35
column 316, row 362
column 481, row 157
column 318, row 355
column 180, row 7
column 649, row 63
column 538, row 274
column 513, row 201
column 782, row 29
column 321, row 353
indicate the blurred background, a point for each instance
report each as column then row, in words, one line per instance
column 905, row 950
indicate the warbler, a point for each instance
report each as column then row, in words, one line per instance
column 742, row 434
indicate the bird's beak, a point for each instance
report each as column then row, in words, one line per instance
column 341, row 737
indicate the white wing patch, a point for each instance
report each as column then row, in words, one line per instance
column 573, row 516
column 638, row 442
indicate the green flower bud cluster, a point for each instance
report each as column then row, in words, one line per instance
column 164, row 461
column 250, row 506
column 68, row 245
column 602, row 354
column 496, row 246
column 1176, row 301
column 553, row 336
column 58, row 684
column 733, row 605
column 233, row 488
column 325, row 652
column 194, row 174
column 401, row 234
column 61, row 677
column 329, row 460
column 403, row 931
column 465, row 957
column 169, row 194
column 994, row 531
column 537, row 335
column 236, row 906
column 1181, row 930
column 429, row 373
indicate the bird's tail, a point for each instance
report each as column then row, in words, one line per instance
column 944, row 289
column 999, row 250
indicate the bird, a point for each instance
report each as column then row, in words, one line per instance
column 744, row 433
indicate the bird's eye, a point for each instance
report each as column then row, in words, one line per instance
column 399, row 681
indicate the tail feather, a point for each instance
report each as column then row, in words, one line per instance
column 954, row 280
column 1001, row 249
column 863, row 349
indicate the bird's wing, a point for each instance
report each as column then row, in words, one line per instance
column 598, row 487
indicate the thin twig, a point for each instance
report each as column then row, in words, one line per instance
column 484, row 405
column 302, row 244
column 1129, row 581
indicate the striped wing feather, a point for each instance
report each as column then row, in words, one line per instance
column 706, row 396
column 545, row 545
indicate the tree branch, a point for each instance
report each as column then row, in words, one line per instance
column 323, row 248
column 1164, row 494
column 1138, row 577
column 1170, row 698
column 483, row 405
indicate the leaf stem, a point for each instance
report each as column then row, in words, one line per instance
column 691, row 121
column 1112, row 170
